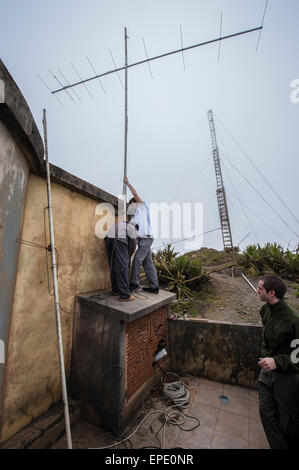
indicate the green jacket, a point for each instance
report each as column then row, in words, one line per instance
column 281, row 326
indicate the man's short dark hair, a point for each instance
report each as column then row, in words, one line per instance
column 276, row 284
column 132, row 200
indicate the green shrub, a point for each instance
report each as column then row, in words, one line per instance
column 270, row 259
column 181, row 274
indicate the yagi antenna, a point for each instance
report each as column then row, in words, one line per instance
column 149, row 65
column 220, row 36
column 147, row 60
column 67, row 92
column 48, row 88
column 65, row 79
column 181, row 33
column 115, row 69
column 89, row 61
column 77, row 73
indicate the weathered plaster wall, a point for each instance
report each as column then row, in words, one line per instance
column 32, row 378
column 223, row 352
column 13, row 183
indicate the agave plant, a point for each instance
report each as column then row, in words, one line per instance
column 253, row 257
column 181, row 274
column 271, row 258
column 291, row 265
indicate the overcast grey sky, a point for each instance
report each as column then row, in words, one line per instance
column 169, row 145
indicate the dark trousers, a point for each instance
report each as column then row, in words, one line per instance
column 118, row 258
column 279, row 408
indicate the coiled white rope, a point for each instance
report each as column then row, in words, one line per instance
column 177, row 392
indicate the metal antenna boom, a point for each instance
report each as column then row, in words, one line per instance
column 158, row 57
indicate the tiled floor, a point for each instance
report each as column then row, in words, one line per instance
column 230, row 424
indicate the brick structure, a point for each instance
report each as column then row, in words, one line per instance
column 113, row 362
column 144, row 338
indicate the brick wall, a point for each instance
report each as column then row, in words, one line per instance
column 143, row 336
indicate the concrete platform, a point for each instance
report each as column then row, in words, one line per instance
column 231, row 424
column 113, row 355
column 144, row 303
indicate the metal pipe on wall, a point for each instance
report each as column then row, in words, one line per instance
column 56, row 295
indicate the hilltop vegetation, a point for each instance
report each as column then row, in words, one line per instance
column 208, row 282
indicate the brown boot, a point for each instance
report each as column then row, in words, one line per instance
column 128, row 299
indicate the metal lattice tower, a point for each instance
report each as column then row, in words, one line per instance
column 220, row 192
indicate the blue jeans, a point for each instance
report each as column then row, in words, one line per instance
column 143, row 257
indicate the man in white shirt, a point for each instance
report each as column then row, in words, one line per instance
column 143, row 256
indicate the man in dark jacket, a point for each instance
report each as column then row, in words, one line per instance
column 120, row 246
column 278, row 384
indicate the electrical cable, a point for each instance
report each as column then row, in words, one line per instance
column 262, row 220
column 133, row 433
column 191, row 156
column 35, row 245
column 258, row 170
column 189, row 238
column 173, row 414
column 205, row 206
column 261, row 196
column 48, row 249
column 203, row 168
column 242, row 207
column 194, row 427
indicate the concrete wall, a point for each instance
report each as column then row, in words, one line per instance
column 223, row 352
column 30, row 377
column 32, row 373
column 14, row 171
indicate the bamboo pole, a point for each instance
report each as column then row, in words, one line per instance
column 126, row 117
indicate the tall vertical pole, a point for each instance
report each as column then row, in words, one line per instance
column 56, row 296
column 126, row 116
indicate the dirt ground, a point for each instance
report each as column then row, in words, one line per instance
column 227, row 298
